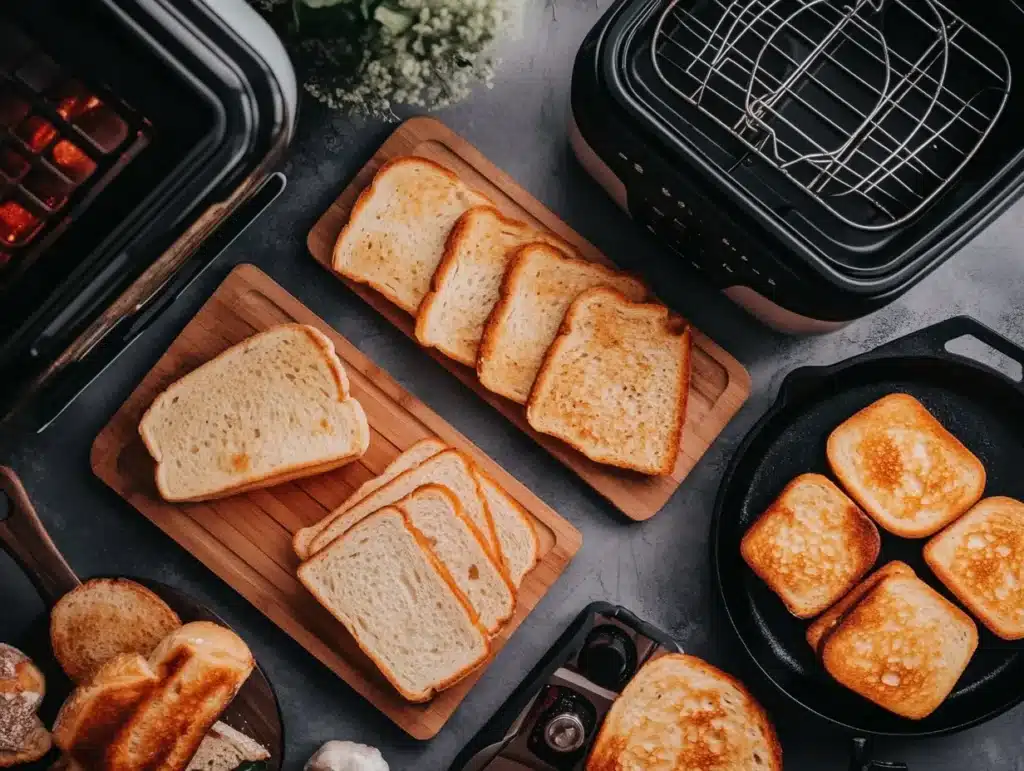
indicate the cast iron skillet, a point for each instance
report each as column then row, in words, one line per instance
column 254, row 711
column 982, row 407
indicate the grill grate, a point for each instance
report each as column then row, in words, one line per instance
column 871, row 107
column 61, row 143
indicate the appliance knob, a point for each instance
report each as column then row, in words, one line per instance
column 565, row 732
column 608, row 657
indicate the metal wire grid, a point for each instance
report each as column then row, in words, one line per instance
column 820, row 92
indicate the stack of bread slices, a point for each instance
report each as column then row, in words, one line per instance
column 422, row 565
column 577, row 343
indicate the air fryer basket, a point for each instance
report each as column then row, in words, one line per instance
column 941, row 153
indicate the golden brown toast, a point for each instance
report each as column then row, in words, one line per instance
column 23, row 738
column 903, row 646
column 828, row 620
column 679, row 712
column 812, row 545
column 904, row 468
column 980, row 557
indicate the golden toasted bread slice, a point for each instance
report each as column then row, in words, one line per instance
column 980, row 557
column 679, row 712
column 903, row 646
column 828, row 620
column 22, row 687
column 812, row 545
column 36, row 743
column 105, row 617
column 904, row 468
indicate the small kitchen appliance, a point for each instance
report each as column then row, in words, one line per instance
column 814, row 159
column 130, row 130
column 552, row 718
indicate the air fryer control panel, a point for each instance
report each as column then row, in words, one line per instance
column 551, row 721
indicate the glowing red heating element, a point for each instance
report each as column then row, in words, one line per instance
column 72, row 162
column 37, row 133
column 17, row 223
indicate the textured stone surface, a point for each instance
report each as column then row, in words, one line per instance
column 659, row 569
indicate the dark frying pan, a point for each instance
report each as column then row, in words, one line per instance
column 254, row 711
column 982, row 407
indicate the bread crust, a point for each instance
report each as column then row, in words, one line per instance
column 285, row 473
column 416, row 698
column 670, row 323
column 361, row 202
column 524, row 516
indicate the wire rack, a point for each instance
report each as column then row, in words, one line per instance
column 871, row 107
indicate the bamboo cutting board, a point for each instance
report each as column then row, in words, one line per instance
column 719, row 383
column 246, row 539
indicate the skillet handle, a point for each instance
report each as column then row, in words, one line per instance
column 859, row 760
column 23, row 536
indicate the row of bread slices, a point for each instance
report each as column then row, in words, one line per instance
column 891, row 637
column 569, row 338
column 423, row 566
column 147, row 687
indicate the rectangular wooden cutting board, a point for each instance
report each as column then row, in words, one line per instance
column 247, row 539
column 719, row 383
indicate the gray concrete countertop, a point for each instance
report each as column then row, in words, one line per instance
column 659, row 569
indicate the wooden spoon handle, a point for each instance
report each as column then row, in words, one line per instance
column 23, row 536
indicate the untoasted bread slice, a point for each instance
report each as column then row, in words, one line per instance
column 679, row 712
column 904, row 468
column 539, row 286
column 980, row 557
column 396, row 233
column 467, row 283
column 411, row 458
column 103, row 618
column 828, row 620
column 435, row 514
column 812, row 545
column 98, row 709
column 399, row 603
column 272, row 408
column 449, row 468
column 225, row 749
column 200, row 668
column 513, row 529
column 903, row 646
column 615, row 381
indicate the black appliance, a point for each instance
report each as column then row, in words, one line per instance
column 813, row 160
column 130, row 130
column 551, row 720
column 981, row 406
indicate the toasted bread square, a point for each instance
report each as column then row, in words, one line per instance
column 615, row 381
column 812, row 545
column 980, row 557
column 903, row 646
column 828, row 620
column 904, row 468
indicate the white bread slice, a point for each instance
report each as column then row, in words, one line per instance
column 449, row 468
column 396, row 233
column 540, row 285
column 679, row 712
column 513, row 529
column 105, row 617
column 980, row 558
column 200, row 667
column 904, row 468
column 400, row 604
column 467, row 283
column 272, row 408
column 98, row 709
column 411, row 458
column 435, row 514
column 614, row 383
column 225, row 749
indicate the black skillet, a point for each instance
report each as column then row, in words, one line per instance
column 983, row 408
column 254, row 711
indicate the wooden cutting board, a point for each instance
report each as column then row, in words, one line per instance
column 246, row 539
column 719, row 383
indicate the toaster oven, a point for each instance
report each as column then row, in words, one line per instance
column 130, row 132
column 813, row 159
